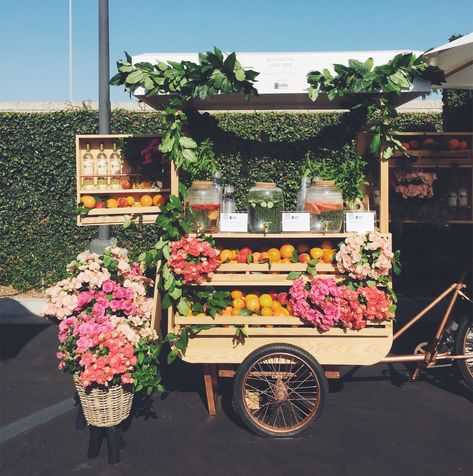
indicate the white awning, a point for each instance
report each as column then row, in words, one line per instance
column 282, row 83
column 456, row 60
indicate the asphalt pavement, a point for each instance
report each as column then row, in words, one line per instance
column 375, row 422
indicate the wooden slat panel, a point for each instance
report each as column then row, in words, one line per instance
column 231, row 267
column 327, row 350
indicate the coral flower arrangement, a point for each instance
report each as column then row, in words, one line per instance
column 104, row 335
column 193, row 258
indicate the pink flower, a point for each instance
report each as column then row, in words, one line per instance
column 126, row 378
column 108, row 286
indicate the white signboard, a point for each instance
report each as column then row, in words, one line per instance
column 296, row 221
column 236, row 222
column 359, row 222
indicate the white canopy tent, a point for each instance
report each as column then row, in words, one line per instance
column 282, row 83
column 456, row 60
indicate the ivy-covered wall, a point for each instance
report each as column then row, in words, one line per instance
column 38, row 234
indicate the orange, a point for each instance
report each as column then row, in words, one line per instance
column 328, row 256
column 265, row 300
column 285, row 312
column 227, row 311
column 286, row 251
column 252, row 303
column 236, row 293
column 303, row 248
column 146, row 201
column 88, row 201
column 236, row 312
column 234, row 254
column 251, row 296
column 286, row 261
column 238, row 303
column 264, row 257
column 225, row 255
column 130, row 200
column 137, row 204
column 290, row 308
column 159, row 200
column 326, row 244
column 266, row 311
column 112, row 203
column 274, row 255
column 316, row 253
column 276, row 306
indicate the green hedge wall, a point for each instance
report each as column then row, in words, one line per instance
column 38, row 234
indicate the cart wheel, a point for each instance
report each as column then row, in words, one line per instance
column 279, row 390
column 464, row 345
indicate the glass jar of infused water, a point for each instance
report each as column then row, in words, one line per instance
column 324, row 202
column 203, row 207
column 265, row 207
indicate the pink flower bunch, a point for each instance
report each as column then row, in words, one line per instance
column 91, row 280
column 317, row 301
column 414, row 184
column 325, row 304
column 98, row 351
column 193, row 258
column 365, row 256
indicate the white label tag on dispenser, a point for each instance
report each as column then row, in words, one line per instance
column 236, row 222
column 296, row 221
column 359, row 222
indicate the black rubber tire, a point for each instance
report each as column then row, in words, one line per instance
column 248, row 363
column 465, row 327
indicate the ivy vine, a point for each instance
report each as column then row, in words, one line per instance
column 389, row 80
column 185, row 81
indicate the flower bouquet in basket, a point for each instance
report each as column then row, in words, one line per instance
column 105, row 338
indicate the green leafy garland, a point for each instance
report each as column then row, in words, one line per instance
column 389, row 80
column 185, row 81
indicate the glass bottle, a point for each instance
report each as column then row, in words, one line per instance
column 228, row 202
column 87, row 169
column 102, row 169
column 218, row 184
column 324, row 202
column 115, row 161
column 203, row 207
column 265, row 206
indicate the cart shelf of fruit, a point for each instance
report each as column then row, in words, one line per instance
column 284, row 350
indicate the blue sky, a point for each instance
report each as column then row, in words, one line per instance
column 34, row 34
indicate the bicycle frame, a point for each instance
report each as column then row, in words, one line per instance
column 432, row 355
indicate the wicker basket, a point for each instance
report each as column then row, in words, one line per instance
column 105, row 408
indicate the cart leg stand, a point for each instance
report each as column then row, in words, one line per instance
column 114, row 443
column 209, row 389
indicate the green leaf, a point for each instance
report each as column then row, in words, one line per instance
column 183, row 307
column 187, row 143
column 189, row 155
column 369, row 64
column 240, row 75
column 313, row 93
column 230, row 61
column 134, row 77
column 294, row 275
column 172, row 356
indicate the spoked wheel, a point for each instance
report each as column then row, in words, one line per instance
column 279, row 391
column 464, row 345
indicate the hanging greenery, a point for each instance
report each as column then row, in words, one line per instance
column 388, row 80
column 185, row 81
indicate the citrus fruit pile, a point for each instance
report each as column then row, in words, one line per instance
column 93, row 201
column 259, row 304
column 287, row 253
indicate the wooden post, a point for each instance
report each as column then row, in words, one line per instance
column 209, row 391
column 384, row 196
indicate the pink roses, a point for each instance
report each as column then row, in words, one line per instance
column 325, row 304
column 194, row 259
column 414, row 184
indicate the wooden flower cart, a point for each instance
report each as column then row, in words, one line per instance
column 281, row 365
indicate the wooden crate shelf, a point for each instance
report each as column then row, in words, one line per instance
column 117, row 216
